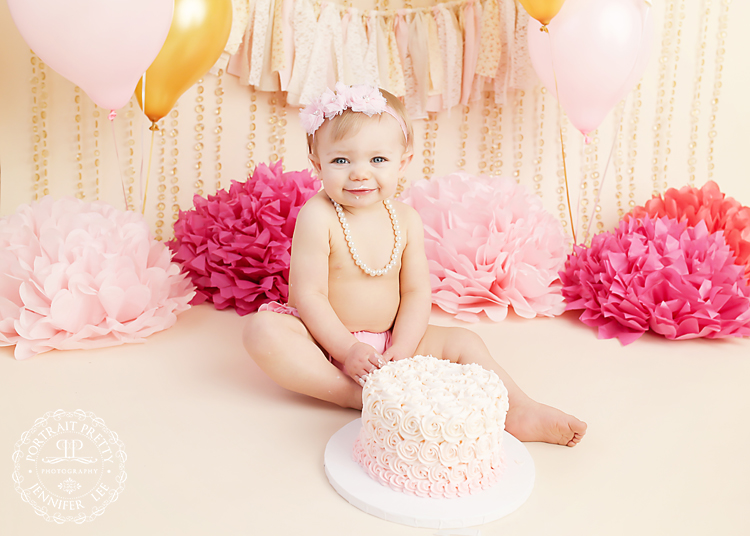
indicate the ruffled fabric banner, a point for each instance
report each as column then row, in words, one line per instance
column 76, row 275
column 435, row 58
column 660, row 274
column 490, row 245
column 709, row 205
column 236, row 245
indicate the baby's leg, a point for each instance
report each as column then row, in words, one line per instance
column 527, row 419
column 281, row 345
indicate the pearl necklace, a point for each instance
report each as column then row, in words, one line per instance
column 355, row 256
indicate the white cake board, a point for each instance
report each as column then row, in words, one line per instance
column 351, row 481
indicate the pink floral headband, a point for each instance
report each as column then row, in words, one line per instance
column 360, row 98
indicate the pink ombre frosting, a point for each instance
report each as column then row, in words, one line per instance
column 432, row 428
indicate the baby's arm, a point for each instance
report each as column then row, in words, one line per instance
column 414, row 310
column 308, row 280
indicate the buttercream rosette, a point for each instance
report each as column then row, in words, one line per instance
column 490, row 245
column 77, row 275
column 707, row 204
column 660, row 274
column 236, row 245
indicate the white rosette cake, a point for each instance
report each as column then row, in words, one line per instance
column 432, row 428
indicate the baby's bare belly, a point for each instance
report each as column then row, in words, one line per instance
column 367, row 304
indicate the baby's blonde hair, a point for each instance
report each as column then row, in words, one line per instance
column 350, row 121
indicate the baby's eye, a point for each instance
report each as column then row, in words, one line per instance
column 379, row 159
column 339, row 160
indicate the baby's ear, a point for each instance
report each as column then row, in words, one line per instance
column 406, row 160
column 315, row 161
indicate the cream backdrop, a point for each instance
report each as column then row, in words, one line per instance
column 124, row 149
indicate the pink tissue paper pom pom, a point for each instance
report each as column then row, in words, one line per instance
column 707, row 204
column 658, row 274
column 236, row 245
column 490, row 245
column 77, row 275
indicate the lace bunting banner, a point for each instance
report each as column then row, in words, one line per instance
column 433, row 57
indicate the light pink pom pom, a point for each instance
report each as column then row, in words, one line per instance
column 79, row 275
column 658, row 274
column 490, row 245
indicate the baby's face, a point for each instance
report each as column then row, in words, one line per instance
column 364, row 167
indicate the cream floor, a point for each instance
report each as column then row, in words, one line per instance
column 214, row 447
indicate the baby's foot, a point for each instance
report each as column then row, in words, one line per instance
column 532, row 421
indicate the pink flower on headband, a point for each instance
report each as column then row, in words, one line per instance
column 360, row 98
column 332, row 103
column 365, row 99
column 312, row 117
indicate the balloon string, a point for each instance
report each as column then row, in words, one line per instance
column 148, row 170
column 119, row 166
column 562, row 142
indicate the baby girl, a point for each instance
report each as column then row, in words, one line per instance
column 359, row 289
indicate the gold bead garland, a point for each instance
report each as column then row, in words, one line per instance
column 721, row 36
column 562, row 197
column 277, row 122
column 130, row 170
column 666, row 50
column 496, row 138
column 518, row 136
column 539, row 140
column 161, row 186
column 199, row 129
column 219, row 92
column 619, row 157
column 595, row 178
column 668, row 131
column 272, row 120
column 174, row 174
column 583, row 200
column 633, row 144
column 695, row 108
column 428, row 152
column 464, row 134
column 80, row 194
column 97, row 152
column 39, row 126
column 486, row 137
column 251, row 134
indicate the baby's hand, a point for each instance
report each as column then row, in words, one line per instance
column 395, row 354
column 361, row 359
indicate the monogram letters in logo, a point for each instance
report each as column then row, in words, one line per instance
column 69, row 466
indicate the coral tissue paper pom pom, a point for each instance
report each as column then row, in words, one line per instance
column 76, row 275
column 490, row 245
column 236, row 245
column 710, row 205
column 658, row 274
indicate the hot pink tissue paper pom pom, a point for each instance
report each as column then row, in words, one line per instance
column 658, row 274
column 489, row 245
column 76, row 275
column 236, row 245
column 710, row 205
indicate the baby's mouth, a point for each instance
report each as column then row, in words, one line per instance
column 362, row 191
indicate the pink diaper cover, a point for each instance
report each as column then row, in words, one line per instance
column 380, row 341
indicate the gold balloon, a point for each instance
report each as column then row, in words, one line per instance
column 197, row 37
column 542, row 10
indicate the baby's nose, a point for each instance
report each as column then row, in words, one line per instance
column 360, row 173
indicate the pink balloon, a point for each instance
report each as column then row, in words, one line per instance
column 103, row 46
column 599, row 49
